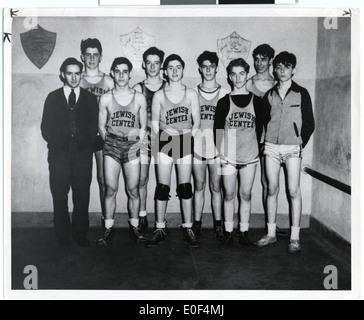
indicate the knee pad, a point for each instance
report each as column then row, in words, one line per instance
column 162, row 192
column 184, row 191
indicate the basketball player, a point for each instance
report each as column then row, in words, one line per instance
column 122, row 124
column 152, row 64
column 175, row 121
column 259, row 84
column 238, row 126
column 289, row 124
column 206, row 155
column 98, row 83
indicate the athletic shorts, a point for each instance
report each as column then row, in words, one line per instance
column 121, row 149
column 99, row 143
column 176, row 147
column 280, row 153
column 239, row 166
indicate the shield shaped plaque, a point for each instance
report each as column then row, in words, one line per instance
column 38, row 44
column 233, row 47
column 134, row 44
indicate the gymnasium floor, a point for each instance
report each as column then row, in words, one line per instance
column 173, row 265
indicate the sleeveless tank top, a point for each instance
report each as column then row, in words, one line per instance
column 175, row 118
column 148, row 94
column 98, row 89
column 256, row 91
column 123, row 121
column 204, row 139
column 240, row 139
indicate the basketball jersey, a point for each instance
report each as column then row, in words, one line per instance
column 123, row 120
column 256, row 91
column 175, row 118
column 98, row 89
column 204, row 139
column 240, row 139
column 148, row 94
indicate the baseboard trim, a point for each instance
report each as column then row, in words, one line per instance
column 45, row 220
column 331, row 236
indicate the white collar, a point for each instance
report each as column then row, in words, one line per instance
column 67, row 90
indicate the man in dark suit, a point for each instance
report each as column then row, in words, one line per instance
column 70, row 126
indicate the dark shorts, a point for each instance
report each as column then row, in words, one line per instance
column 99, row 143
column 176, row 147
column 121, row 149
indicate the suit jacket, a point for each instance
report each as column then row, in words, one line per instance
column 67, row 130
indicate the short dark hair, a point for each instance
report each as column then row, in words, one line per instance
column 153, row 51
column 285, row 58
column 240, row 62
column 121, row 60
column 264, row 50
column 173, row 57
column 90, row 43
column 209, row 56
column 70, row 61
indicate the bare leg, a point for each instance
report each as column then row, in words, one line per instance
column 293, row 166
column 215, row 187
column 164, row 171
column 131, row 172
column 101, row 179
column 229, row 181
column 272, row 171
column 184, row 172
column 143, row 182
column 247, row 175
column 112, row 174
column 264, row 182
column 199, row 174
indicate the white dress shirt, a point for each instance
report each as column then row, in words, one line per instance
column 67, row 90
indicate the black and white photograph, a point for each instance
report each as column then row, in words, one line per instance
column 181, row 151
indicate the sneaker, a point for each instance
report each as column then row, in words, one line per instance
column 266, row 241
column 135, row 234
column 158, row 238
column 107, row 237
column 227, row 240
column 190, row 238
column 143, row 225
column 219, row 233
column 197, row 225
column 281, row 233
column 294, row 247
column 244, row 240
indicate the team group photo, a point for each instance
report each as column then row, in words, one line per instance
column 172, row 134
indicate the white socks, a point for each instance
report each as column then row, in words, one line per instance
column 109, row 223
column 142, row 214
column 244, row 227
column 272, row 227
column 295, row 233
column 229, row 226
column 187, row 225
column 134, row 222
column 161, row 225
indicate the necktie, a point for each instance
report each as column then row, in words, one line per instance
column 72, row 99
